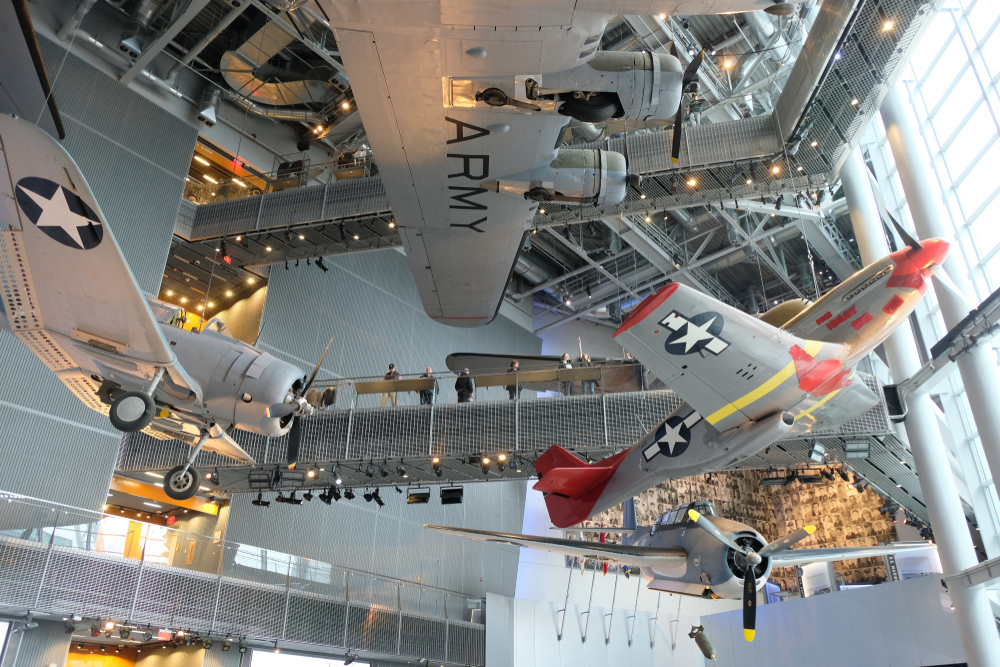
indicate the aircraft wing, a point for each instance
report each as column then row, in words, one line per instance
column 615, row 553
column 825, row 413
column 433, row 152
column 71, row 298
column 728, row 365
column 801, row 556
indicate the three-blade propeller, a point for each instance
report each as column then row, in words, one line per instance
column 690, row 77
column 940, row 274
column 297, row 406
column 753, row 559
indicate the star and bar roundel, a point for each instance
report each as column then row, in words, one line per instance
column 694, row 334
column 672, row 437
column 60, row 213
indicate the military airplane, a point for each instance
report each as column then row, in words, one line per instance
column 715, row 562
column 70, row 297
column 746, row 380
column 463, row 102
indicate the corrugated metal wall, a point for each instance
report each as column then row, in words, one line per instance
column 135, row 156
column 369, row 304
column 46, row 645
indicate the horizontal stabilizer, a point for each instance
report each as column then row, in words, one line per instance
column 572, row 482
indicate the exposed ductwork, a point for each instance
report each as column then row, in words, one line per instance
column 238, row 7
column 209, row 107
column 136, row 30
column 256, row 66
column 274, row 113
column 533, row 268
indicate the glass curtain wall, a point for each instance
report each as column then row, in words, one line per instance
column 952, row 81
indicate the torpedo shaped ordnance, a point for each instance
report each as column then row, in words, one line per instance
column 575, row 176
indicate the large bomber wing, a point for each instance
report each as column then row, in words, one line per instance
column 802, row 556
column 461, row 240
column 68, row 293
column 733, row 368
column 615, row 553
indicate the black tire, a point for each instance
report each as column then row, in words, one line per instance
column 181, row 485
column 131, row 411
column 599, row 108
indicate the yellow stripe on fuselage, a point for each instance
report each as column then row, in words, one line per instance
column 812, row 348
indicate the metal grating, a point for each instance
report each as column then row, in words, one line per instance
column 53, row 563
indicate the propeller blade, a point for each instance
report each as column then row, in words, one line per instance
column 949, row 284
column 316, row 370
column 783, row 543
column 279, row 410
column 905, row 235
column 294, row 439
column 675, row 150
column 713, row 531
column 692, row 69
column 673, row 50
column 749, row 605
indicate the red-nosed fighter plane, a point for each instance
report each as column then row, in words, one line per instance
column 746, row 381
column 674, row 557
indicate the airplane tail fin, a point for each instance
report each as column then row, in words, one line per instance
column 628, row 514
column 572, row 487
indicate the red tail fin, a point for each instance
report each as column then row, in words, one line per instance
column 571, row 486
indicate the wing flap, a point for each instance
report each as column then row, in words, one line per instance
column 799, row 556
column 617, row 553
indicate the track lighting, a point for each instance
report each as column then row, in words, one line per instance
column 336, row 494
column 436, row 463
column 502, row 462
column 243, row 647
column 370, row 470
column 485, row 464
column 307, row 496
column 378, row 500
column 124, row 632
column 843, row 475
column 320, row 264
column 260, row 502
column 398, row 490
column 349, row 494
column 147, row 636
column 368, row 496
column 206, row 643
column 226, row 645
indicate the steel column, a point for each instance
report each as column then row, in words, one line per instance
column 972, row 607
column 978, row 367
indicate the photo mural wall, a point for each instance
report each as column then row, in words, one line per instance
column 843, row 517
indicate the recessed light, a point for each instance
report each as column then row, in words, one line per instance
column 356, row 237
column 854, row 101
column 250, row 281
column 749, row 181
column 170, row 292
column 888, row 26
column 184, row 299
column 268, row 248
column 302, row 237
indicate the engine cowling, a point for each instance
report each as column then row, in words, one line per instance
column 575, row 176
column 647, row 86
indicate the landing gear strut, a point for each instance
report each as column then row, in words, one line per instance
column 181, row 482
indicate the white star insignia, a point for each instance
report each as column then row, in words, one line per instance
column 56, row 213
column 695, row 334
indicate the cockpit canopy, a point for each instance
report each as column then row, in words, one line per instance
column 679, row 514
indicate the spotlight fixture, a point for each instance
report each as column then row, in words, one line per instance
column 349, row 494
column 336, row 493
column 147, row 636
column 775, row 169
column 436, row 463
column 887, row 26
column 398, row 490
column 292, row 500
column 326, row 498
column 486, row 465
column 777, row 202
column 79, row 647
column 311, row 473
column 827, row 475
column 226, row 645
column 418, row 496
column 260, row 502
column 109, row 628
column 320, row 264
column 124, row 631
column 383, row 471
column 515, row 464
column 308, row 496
column 502, row 462
column 70, row 627
column 378, row 500
column 370, row 470
column 206, row 643
column 368, row 496
column 348, row 658
column 243, row 647
column 451, row 495
column 843, row 475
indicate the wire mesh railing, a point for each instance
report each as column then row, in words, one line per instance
column 64, row 560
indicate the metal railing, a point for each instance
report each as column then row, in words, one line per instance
column 64, row 560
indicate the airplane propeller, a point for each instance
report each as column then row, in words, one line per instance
column 753, row 559
column 296, row 407
column 939, row 271
column 690, row 79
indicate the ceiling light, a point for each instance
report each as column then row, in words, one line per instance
column 201, row 307
column 887, row 27
column 486, row 465
column 170, row 292
column 648, row 219
column 568, row 302
column 202, row 160
column 642, row 196
column 392, row 225
column 814, row 144
column 692, row 182
column 209, row 178
column 302, row 237
column 663, row 16
column 242, row 185
column 775, row 169
column 727, row 64
column 311, row 473
column 228, row 293
column 749, row 181
column 357, row 238
column 250, row 281
column 346, row 105
column 211, row 304
column 799, row 168
column 268, row 248
column 319, row 128
column 854, row 101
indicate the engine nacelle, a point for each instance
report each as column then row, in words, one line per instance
column 575, row 176
column 647, row 86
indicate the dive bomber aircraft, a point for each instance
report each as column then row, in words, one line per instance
column 727, row 559
column 70, row 297
column 463, row 102
column 746, row 380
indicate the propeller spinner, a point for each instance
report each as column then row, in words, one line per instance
column 752, row 559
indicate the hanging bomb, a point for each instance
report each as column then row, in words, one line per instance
column 703, row 642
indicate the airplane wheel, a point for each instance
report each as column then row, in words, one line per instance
column 180, row 484
column 132, row 411
column 597, row 109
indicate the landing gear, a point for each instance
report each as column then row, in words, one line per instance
column 181, row 482
column 132, row 411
